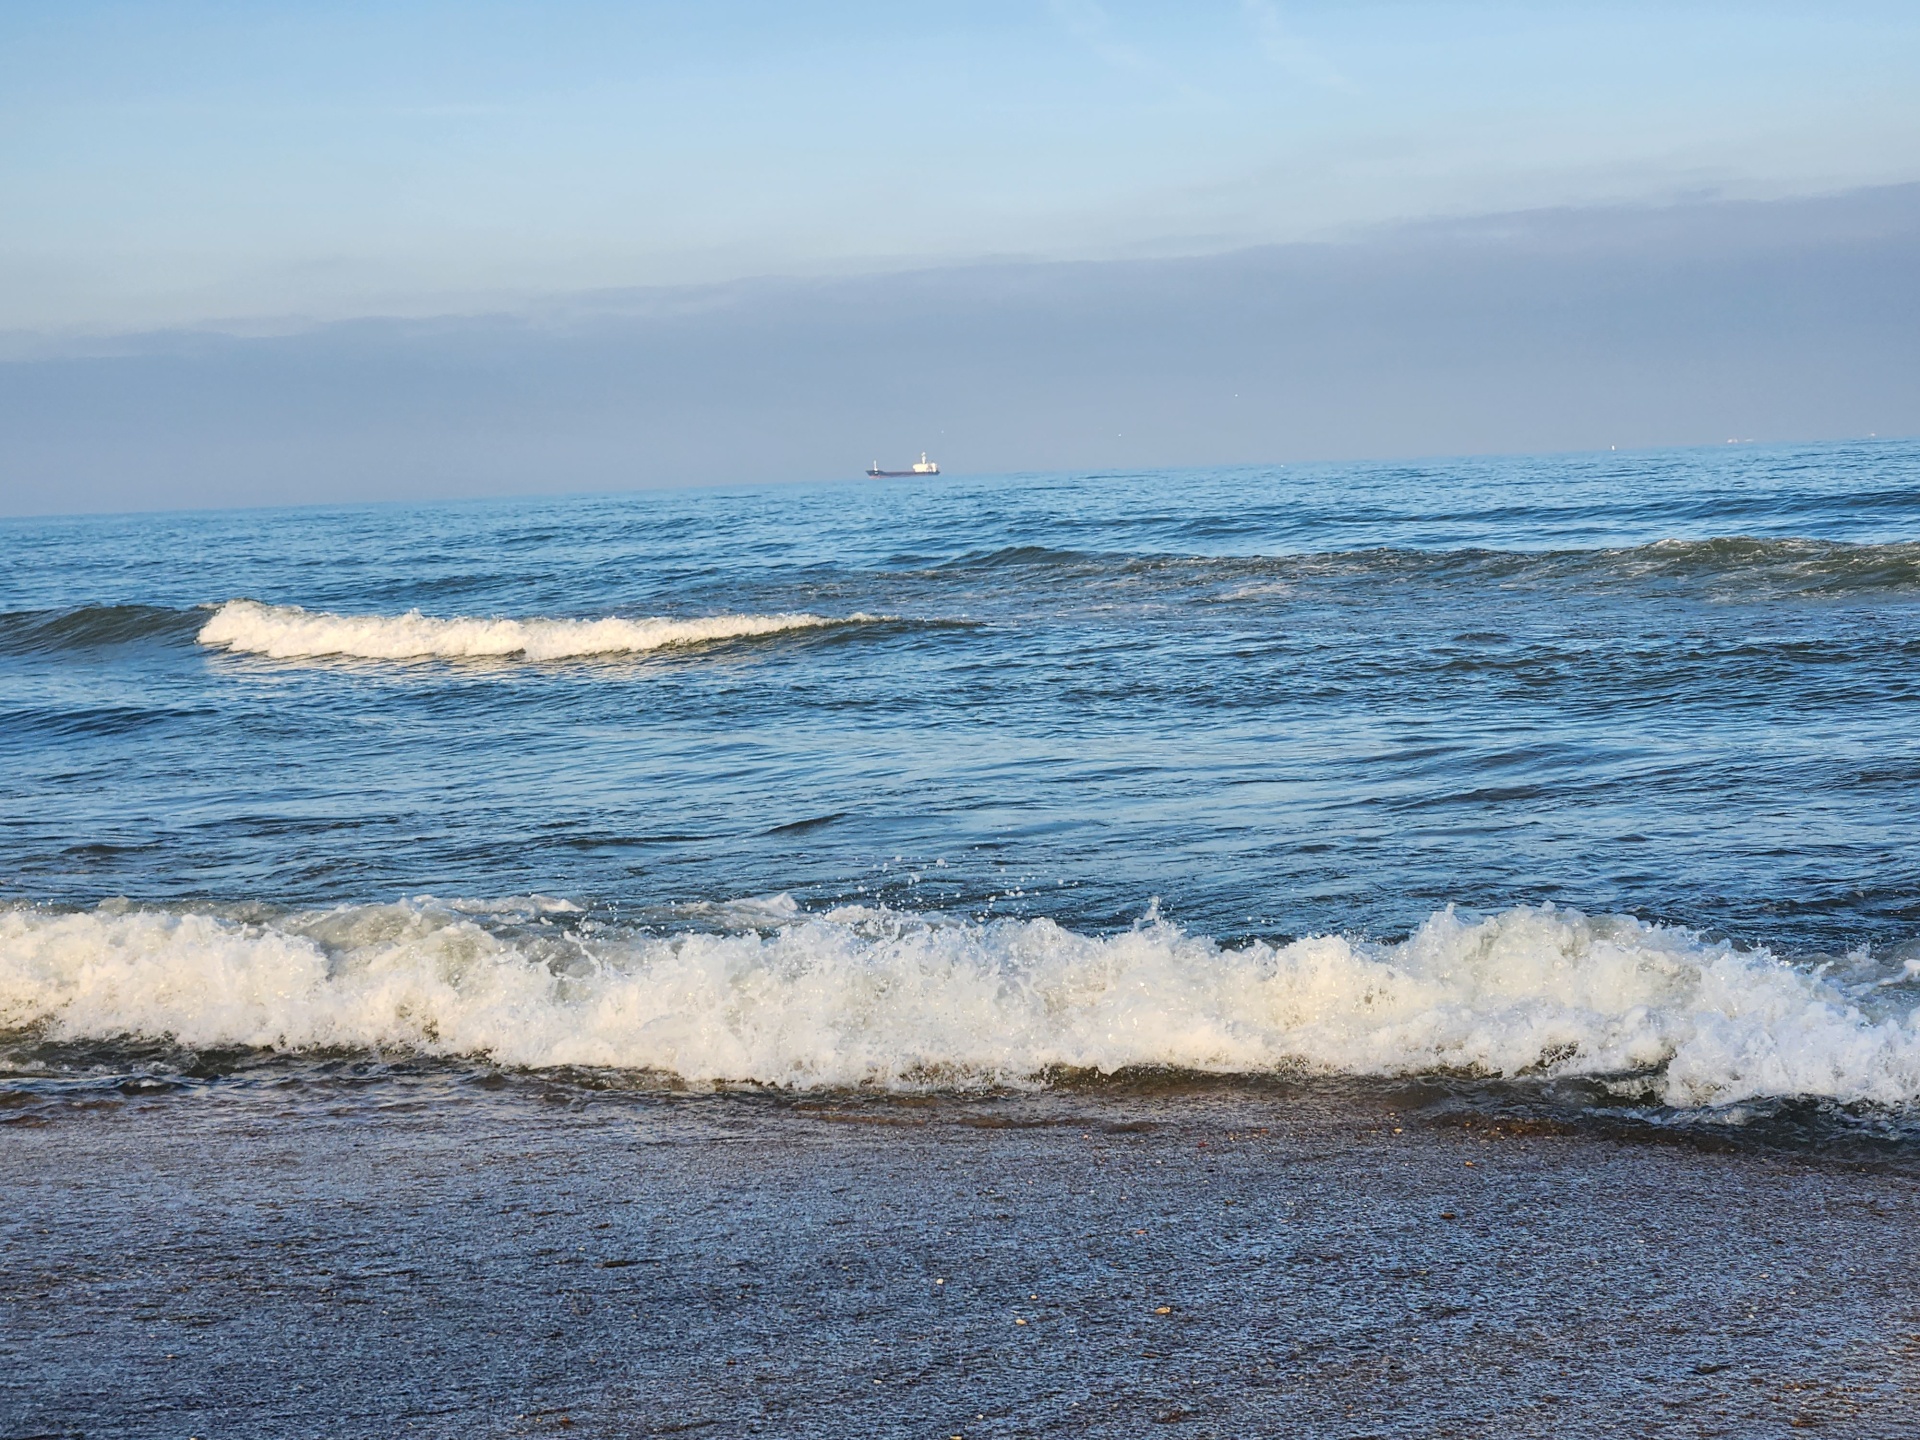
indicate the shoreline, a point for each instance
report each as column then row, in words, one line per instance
column 442, row 1258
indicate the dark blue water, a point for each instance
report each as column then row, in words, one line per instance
column 1681, row 687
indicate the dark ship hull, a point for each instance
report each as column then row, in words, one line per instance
column 925, row 467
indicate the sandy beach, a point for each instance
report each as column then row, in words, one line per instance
column 428, row 1256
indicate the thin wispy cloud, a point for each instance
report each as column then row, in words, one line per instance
column 1298, row 57
column 1089, row 23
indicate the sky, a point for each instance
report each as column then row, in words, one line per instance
column 192, row 161
column 182, row 181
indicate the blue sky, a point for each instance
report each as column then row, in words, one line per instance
column 198, row 162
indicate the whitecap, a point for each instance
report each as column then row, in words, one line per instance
column 899, row 1000
column 289, row 632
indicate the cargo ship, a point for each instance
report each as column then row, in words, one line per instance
column 922, row 466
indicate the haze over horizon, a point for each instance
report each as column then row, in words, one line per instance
column 317, row 254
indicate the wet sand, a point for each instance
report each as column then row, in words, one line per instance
column 434, row 1258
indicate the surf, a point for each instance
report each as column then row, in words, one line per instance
column 860, row 997
column 290, row 632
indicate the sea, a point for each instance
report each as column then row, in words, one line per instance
column 1592, row 771
column 1342, row 950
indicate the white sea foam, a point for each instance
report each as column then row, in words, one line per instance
column 858, row 997
column 288, row 632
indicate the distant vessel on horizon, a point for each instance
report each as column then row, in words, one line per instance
column 922, row 466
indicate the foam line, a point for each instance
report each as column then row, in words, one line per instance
column 860, row 997
column 288, row 632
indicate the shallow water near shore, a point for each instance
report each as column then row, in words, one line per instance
column 429, row 1254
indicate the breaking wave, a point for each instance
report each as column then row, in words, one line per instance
column 869, row 997
column 288, row 632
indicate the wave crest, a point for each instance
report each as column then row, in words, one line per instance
column 1732, row 566
column 289, row 632
column 863, row 997
column 28, row 632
